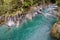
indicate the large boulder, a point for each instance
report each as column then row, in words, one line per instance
column 55, row 32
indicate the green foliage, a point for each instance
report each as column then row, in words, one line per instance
column 10, row 6
column 58, row 3
column 28, row 3
column 7, row 1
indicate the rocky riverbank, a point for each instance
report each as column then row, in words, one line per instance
column 19, row 17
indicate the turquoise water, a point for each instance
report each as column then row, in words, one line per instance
column 36, row 29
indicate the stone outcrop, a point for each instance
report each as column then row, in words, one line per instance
column 18, row 17
column 55, row 32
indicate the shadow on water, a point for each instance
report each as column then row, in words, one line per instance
column 36, row 29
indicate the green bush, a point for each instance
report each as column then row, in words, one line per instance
column 58, row 4
column 10, row 6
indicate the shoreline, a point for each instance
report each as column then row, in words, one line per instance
column 19, row 17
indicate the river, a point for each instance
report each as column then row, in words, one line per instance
column 36, row 29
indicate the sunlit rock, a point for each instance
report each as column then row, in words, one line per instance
column 29, row 16
column 55, row 32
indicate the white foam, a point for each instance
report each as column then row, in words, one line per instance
column 47, row 14
column 10, row 23
column 34, row 14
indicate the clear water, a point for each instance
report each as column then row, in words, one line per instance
column 36, row 29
